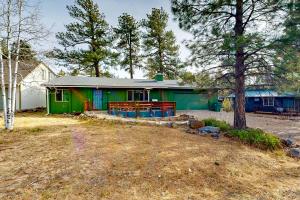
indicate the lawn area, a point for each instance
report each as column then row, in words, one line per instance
column 57, row 157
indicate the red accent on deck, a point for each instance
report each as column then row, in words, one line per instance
column 141, row 105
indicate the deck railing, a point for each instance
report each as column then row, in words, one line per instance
column 138, row 107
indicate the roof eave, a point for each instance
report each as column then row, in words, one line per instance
column 105, row 86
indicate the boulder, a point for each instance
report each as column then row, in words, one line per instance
column 209, row 129
column 191, row 131
column 170, row 124
column 185, row 117
column 195, row 124
column 289, row 142
column 295, row 152
column 215, row 135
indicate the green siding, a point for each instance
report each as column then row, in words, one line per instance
column 191, row 101
column 76, row 96
column 58, row 107
column 155, row 94
column 114, row 95
column 79, row 97
column 185, row 99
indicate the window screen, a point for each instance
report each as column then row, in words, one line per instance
column 59, row 95
column 62, row 95
column 268, row 101
column 129, row 95
column 137, row 95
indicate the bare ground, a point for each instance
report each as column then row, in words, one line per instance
column 283, row 126
column 57, row 157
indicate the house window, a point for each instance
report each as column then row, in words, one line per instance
column 256, row 99
column 268, row 101
column 43, row 74
column 61, row 95
column 130, row 95
column 137, row 95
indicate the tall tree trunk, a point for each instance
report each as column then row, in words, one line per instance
column 8, row 43
column 161, row 67
column 3, row 86
column 239, row 109
column 130, row 58
column 96, row 67
column 14, row 91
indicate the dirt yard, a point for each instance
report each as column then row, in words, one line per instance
column 283, row 126
column 56, row 157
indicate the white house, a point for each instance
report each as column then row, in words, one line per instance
column 30, row 93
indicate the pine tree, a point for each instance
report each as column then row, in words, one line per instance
column 288, row 50
column 87, row 42
column 228, row 35
column 160, row 46
column 128, row 43
column 26, row 53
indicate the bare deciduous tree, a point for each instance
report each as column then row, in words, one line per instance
column 19, row 21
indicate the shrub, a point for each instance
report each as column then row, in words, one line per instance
column 227, row 107
column 224, row 126
column 255, row 137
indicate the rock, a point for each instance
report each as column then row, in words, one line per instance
column 170, row 124
column 215, row 135
column 217, row 163
column 289, row 142
column 295, row 152
column 195, row 124
column 184, row 117
column 191, row 131
column 174, row 125
column 209, row 129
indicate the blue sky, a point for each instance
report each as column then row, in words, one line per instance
column 55, row 15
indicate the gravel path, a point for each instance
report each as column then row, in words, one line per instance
column 282, row 126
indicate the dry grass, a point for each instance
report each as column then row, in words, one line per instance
column 63, row 158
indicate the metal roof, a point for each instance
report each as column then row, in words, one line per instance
column 265, row 93
column 96, row 82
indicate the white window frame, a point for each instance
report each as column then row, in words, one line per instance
column 62, row 93
column 49, row 75
column 144, row 95
column 44, row 76
column 268, row 101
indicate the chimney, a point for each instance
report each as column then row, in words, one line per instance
column 159, row 77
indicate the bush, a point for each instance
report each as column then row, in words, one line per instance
column 227, row 107
column 255, row 137
column 224, row 126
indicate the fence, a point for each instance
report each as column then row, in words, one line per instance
column 142, row 109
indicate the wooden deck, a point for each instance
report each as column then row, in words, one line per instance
column 140, row 106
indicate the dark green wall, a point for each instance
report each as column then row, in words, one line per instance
column 77, row 97
column 185, row 99
column 115, row 95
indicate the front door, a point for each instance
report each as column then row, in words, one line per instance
column 97, row 99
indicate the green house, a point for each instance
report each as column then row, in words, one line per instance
column 72, row 94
